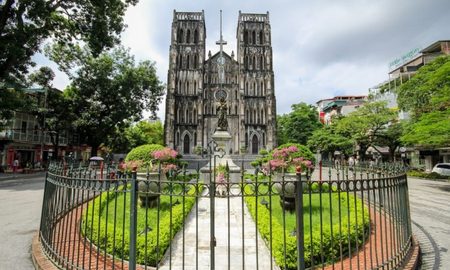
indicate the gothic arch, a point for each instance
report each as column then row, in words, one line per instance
column 188, row 36
column 255, row 143
column 196, row 36
column 180, row 36
column 187, row 61
column 261, row 37
column 254, row 37
column 186, row 137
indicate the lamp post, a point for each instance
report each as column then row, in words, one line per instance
column 43, row 127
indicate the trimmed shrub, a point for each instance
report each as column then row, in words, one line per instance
column 425, row 175
column 143, row 152
column 348, row 232
column 94, row 224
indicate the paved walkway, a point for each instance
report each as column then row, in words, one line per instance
column 221, row 231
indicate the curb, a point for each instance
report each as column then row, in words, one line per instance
column 40, row 260
column 412, row 263
column 21, row 176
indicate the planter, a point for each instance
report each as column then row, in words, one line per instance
column 286, row 189
column 150, row 189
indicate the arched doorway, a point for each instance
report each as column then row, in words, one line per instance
column 186, row 144
column 255, row 145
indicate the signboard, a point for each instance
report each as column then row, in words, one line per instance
column 404, row 58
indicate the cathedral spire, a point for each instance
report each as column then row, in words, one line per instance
column 221, row 59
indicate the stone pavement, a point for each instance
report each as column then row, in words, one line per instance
column 221, row 231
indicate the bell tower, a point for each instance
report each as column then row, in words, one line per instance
column 185, row 81
column 256, row 82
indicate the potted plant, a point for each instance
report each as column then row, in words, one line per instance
column 162, row 164
column 286, row 163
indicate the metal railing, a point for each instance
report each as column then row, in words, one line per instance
column 353, row 218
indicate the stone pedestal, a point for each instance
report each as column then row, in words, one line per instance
column 222, row 138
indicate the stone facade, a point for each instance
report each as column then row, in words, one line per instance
column 193, row 81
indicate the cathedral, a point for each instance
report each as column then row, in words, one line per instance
column 196, row 81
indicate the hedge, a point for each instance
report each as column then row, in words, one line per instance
column 103, row 237
column 331, row 249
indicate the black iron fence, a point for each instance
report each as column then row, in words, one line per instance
column 353, row 218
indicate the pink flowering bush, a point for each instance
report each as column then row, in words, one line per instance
column 165, row 157
column 292, row 158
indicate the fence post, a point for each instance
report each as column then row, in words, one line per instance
column 300, row 226
column 133, row 221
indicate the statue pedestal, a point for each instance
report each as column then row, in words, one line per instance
column 222, row 138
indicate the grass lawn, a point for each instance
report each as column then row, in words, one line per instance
column 107, row 221
column 335, row 225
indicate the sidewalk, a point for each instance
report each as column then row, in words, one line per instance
column 10, row 176
column 188, row 246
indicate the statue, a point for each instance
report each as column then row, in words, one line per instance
column 222, row 109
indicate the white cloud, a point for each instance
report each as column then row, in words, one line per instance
column 320, row 48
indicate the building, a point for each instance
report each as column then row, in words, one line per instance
column 402, row 69
column 339, row 105
column 196, row 81
column 23, row 138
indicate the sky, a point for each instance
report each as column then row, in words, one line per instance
column 321, row 48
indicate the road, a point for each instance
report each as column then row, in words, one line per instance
column 430, row 213
column 21, row 199
column 20, row 210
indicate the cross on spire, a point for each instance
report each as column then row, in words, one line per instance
column 221, row 42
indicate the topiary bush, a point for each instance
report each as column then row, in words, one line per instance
column 143, row 152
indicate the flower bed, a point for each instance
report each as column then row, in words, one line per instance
column 98, row 224
column 344, row 233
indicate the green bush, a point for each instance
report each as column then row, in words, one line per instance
column 111, row 208
column 425, row 175
column 344, row 233
column 143, row 152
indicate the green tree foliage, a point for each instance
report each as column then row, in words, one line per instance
column 135, row 135
column 25, row 25
column 107, row 91
column 427, row 97
column 367, row 124
column 51, row 107
column 327, row 140
column 298, row 125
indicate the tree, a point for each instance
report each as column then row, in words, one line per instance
column 427, row 97
column 298, row 125
column 368, row 124
column 51, row 107
column 328, row 140
column 24, row 25
column 139, row 134
column 107, row 91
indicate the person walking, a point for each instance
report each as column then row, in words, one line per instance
column 15, row 166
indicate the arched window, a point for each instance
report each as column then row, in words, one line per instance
column 186, row 144
column 254, row 37
column 195, row 138
column 262, row 89
column 188, row 36
column 254, row 62
column 263, row 117
column 246, row 62
column 187, row 62
column 255, row 91
column 195, row 61
column 255, row 144
column 195, row 36
column 235, row 109
column 246, row 139
column 187, row 88
column 178, row 138
column 245, row 37
column 261, row 62
column 261, row 37
column 195, row 87
column 180, row 36
column 195, row 118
